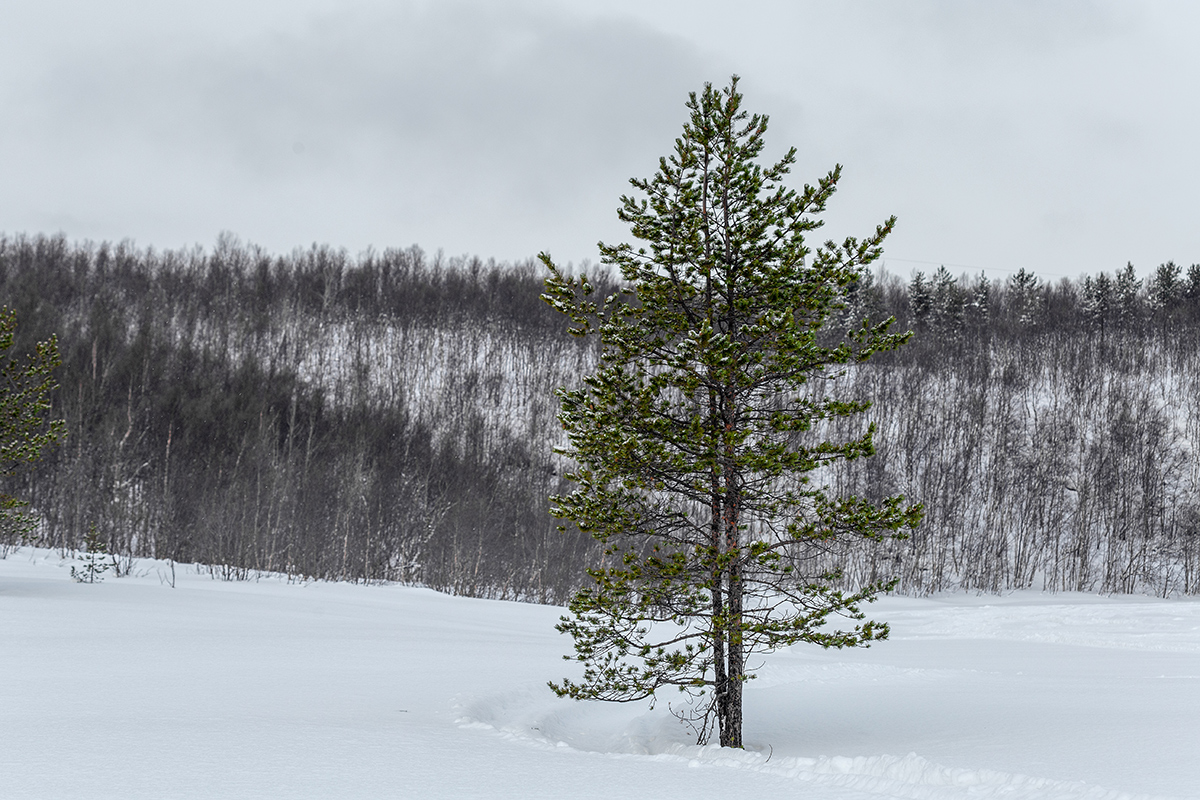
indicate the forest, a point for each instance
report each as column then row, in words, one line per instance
column 390, row 416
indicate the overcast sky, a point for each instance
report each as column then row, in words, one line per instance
column 1056, row 135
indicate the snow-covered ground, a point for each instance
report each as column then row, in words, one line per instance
column 133, row 689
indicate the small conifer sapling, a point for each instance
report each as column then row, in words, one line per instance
column 96, row 559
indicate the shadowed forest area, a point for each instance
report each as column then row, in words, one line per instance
column 329, row 418
column 391, row 416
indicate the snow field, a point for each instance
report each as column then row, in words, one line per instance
column 133, row 689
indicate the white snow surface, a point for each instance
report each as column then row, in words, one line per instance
column 274, row 689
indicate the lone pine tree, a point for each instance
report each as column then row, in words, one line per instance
column 696, row 438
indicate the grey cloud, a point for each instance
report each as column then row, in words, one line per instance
column 1050, row 134
column 976, row 30
column 506, row 110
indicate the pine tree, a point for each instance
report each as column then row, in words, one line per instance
column 1191, row 289
column 920, row 298
column 1098, row 300
column 1127, row 298
column 980, row 305
column 96, row 559
column 24, row 430
column 696, row 437
column 947, row 302
column 1166, row 287
column 1025, row 297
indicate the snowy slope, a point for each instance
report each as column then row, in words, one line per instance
column 134, row 689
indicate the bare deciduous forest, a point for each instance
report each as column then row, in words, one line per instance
column 391, row 417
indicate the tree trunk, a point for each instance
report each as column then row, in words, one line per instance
column 731, row 720
column 720, row 673
column 717, row 587
column 731, row 728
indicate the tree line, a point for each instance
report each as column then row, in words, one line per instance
column 391, row 416
column 1050, row 428
column 313, row 414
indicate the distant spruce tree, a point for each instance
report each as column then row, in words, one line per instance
column 1127, row 300
column 1025, row 297
column 979, row 306
column 1191, row 288
column 1097, row 299
column 947, row 302
column 920, row 298
column 1166, row 287
column 696, row 437
column 864, row 300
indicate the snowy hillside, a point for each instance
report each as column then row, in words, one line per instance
column 392, row 416
column 133, row 689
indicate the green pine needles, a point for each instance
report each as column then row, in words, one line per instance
column 95, row 561
column 25, row 431
column 695, row 439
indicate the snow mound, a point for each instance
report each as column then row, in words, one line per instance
column 527, row 717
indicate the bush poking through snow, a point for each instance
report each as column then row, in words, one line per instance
column 96, row 560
